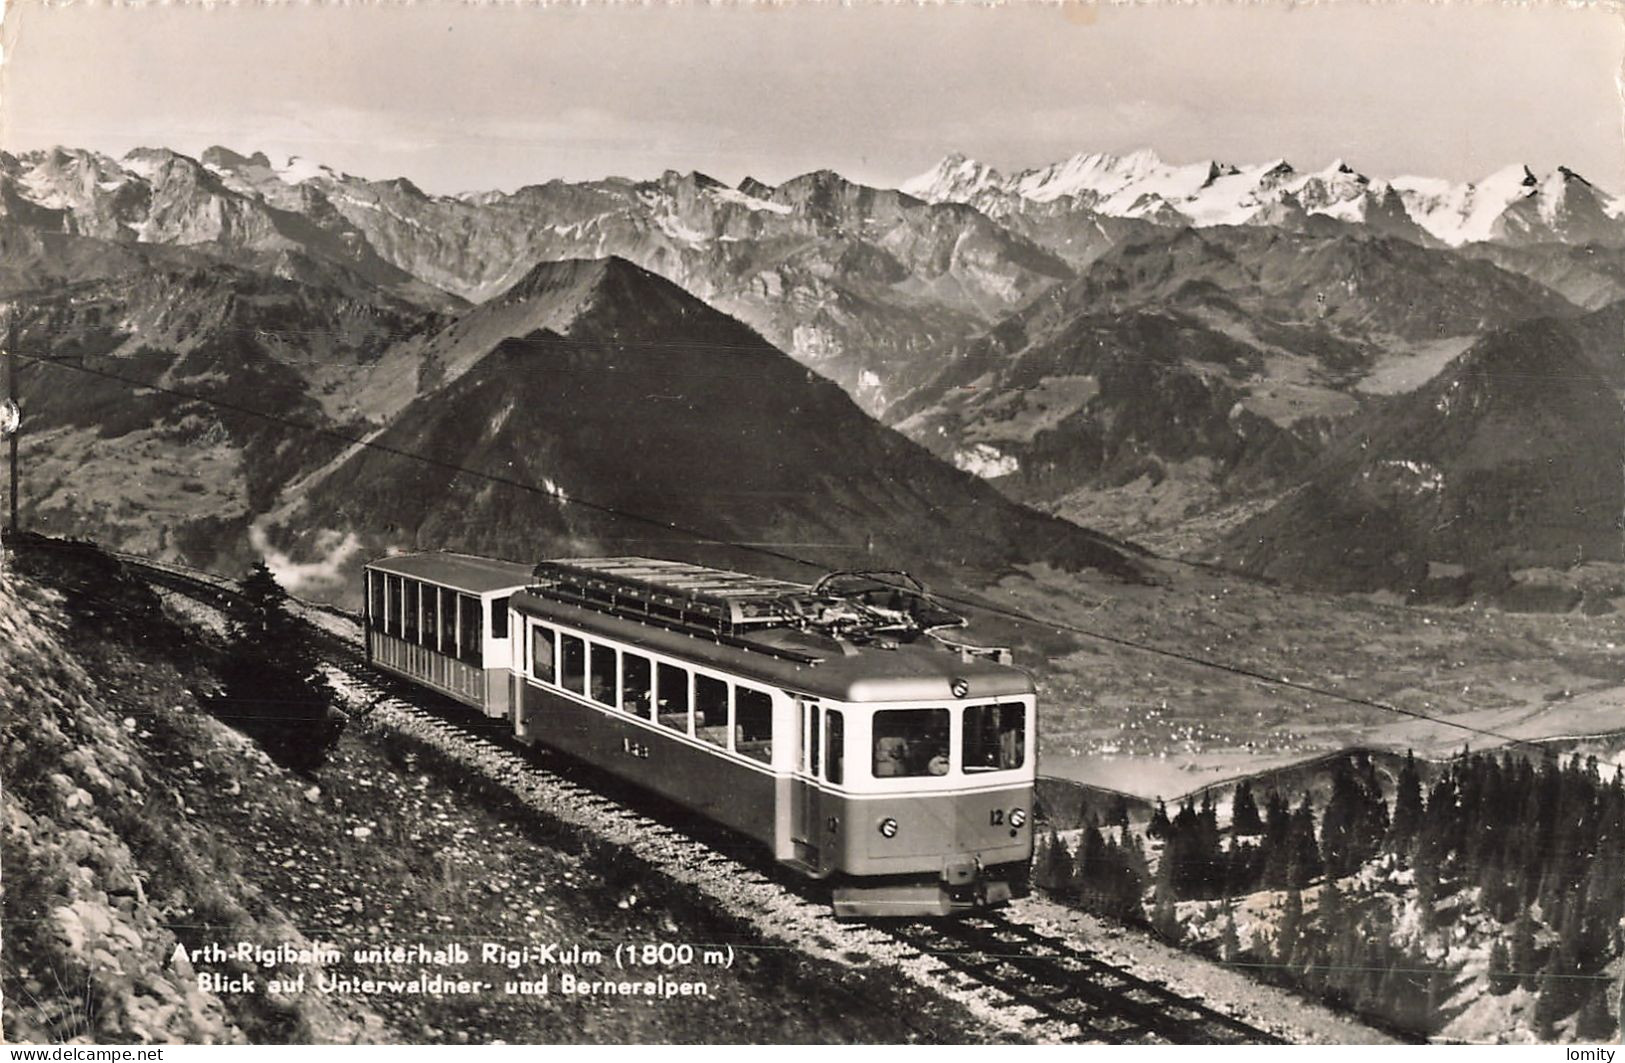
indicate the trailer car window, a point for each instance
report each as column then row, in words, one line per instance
column 409, row 619
column 499, row 618
column 431, row 617
column 573, row 663
column 995, row 737
column 672, row 697
column 448, row 621
column 375, row 601
column 392, row 623
column 911, row 743
column 711, row 709
column 601, row 667
column 636, row 679
column 471, row 630
column 542, row 658
column 753, row 723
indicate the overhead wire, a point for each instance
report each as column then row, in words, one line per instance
column 707, row 538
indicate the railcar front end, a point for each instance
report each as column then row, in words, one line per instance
column 924, row 806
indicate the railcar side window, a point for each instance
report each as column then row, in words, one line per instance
column 392, row 625
column 671, row 704
column 814, row 743
column 911, row 742
column 499, row 618
column 431, row 617
column 542, row 659
column 601, row 673
column 375, row 600
column 636, row 679
column 711, row 709
column 995, row 737
column 753, row 724
column 835, row 759
column 409, row 619
column 572, row 663
column 471, row 630
column 448, row 621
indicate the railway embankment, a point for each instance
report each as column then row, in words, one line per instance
column 163, row 872
column 112, row 853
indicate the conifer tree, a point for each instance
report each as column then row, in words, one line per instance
column 1230, row 941
column 1164, row 919
column 1340, row 823
column 1288, row 937
column 1118, row 816
column 1501, row 979
column 1159, row 825
column 1525, row 965
column 1245, row 821
column 1407, row 806
column 1304, row 864
column 273, row 686
column 1594, row 1023
column 1054, row 864
column 1549, row 1000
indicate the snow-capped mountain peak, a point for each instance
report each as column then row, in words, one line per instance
column 1513, row 204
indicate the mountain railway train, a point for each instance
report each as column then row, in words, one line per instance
column 836, row 724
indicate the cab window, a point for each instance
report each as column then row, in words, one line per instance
column 995, row 737
column 910, row 742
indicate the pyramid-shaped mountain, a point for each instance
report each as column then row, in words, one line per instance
column 623, row 415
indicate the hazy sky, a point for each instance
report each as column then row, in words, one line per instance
column 461, row 97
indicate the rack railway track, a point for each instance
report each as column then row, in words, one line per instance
column 1039, row 984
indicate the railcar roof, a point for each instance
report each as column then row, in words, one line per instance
column 846, row 672
column 464, row 572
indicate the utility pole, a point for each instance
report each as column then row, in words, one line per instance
column 13, row 421
column 10, row 421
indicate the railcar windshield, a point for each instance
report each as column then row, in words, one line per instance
column 995, row 737
column 910, row 742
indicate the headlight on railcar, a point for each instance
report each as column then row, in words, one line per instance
column 888, row 827
column 1018, row 816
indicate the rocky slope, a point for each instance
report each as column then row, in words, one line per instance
column 110, row 865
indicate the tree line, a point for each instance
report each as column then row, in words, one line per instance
column 1539, row 847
